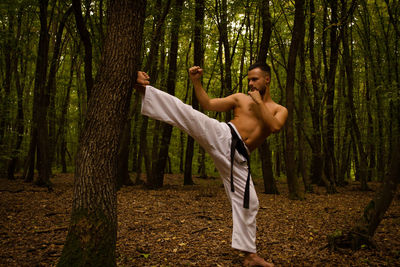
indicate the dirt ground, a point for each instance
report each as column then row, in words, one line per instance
column 191, row 225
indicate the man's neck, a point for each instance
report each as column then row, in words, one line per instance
column 267, row 96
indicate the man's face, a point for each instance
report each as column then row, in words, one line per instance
column 258, row 80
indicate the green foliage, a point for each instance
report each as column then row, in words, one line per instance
column 373, row 48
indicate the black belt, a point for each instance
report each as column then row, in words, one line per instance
column 237, row 144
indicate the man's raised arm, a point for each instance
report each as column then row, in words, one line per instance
column 207, row 103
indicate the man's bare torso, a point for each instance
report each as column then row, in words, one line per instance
column 248, row 123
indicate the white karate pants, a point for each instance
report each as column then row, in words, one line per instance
column 215, row 137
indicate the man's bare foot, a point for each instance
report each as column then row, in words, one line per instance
column 252, row 259
column 141, row 81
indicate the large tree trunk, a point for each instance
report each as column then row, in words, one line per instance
column 198, row 61
column 92, row 234
column 167, row 129
column 295, row 191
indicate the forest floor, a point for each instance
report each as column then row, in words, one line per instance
column 191, row 225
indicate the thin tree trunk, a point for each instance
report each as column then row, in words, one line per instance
column 51, row 86
column 297, row 37
column 223, row 30
column 151, row 67
column 123, row 156
column 87, row 43
column 264, row 150
column 198, row 61
column 329, row 143
column 317, row 158
column 267, row 30
column 348, row 62
column 301, row 121
column 39, row 134
column 20, row 111
column 5, row 100
column 167, row 129
column 266, row 166
column 63, row 118
column 134, row 146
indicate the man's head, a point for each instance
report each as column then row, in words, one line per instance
column 259, row 77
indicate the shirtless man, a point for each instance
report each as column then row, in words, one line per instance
column 256, row 116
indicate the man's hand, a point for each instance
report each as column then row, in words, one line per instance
column 255, row 95
column 141, row 81
column 143, row 78
column 195, row 73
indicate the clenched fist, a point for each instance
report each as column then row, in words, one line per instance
column 195, row 73
column 255, row 95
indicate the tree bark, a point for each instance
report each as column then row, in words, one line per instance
column 297, row 37
column 92, row 234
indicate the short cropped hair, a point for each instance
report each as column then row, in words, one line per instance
column 263, row 66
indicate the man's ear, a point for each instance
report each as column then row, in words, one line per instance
column 267, row 79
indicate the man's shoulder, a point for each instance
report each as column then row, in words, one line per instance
column 240, row 96
column 237, row 97
column 281, row 109
column 276, row 107
column 279, row 106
